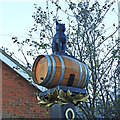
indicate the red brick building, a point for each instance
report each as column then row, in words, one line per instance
column 18, row 94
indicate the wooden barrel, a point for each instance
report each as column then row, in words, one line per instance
column 53, row 70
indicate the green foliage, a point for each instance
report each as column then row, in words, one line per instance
column 47, row 112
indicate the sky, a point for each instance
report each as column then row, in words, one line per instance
column 16, row 20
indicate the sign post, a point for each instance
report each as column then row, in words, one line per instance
column 62, row 101
column 63, row 75
column 66, row 111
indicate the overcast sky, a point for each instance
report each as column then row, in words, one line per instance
column 16, row 20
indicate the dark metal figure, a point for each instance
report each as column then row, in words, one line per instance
column 59, row 40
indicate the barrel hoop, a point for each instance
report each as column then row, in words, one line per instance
column 88, row 75
column 63, row 69
column 85, row 83
column 80, row 74
column 34, row 69
column 49, row 69
column 53, row 72
column 85, row 75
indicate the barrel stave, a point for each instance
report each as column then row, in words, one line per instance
column 41, row 69
column 71, row 67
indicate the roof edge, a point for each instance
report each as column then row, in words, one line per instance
column 11, row 62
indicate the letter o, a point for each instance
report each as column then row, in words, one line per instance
column 67, row 112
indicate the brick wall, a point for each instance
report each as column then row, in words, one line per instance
column 19, row 97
